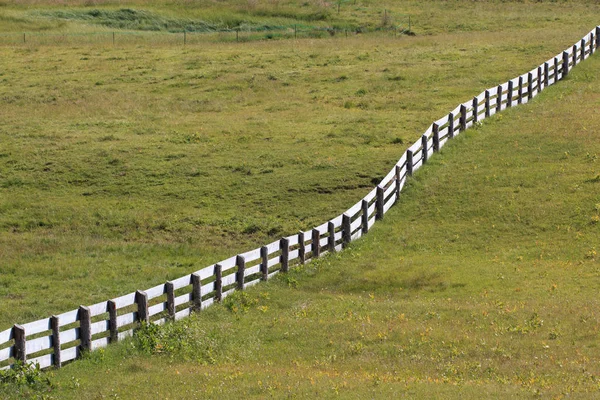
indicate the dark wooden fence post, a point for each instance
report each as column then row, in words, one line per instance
column 556, row 69
column 520, row 90
column 85, row 329
column 597, row 37
column 379, row 203
column 398, row 180
column 546, row 73
column 582, row 49
column 463, row 118
column 169, row 289
column 241, row 268
column 451, row 125
column 218, row 282
column 574, row 54
column 285, row 254
column 264, row 263
column 487, row 103
column 346, row 231
column 141, row 299
column 475, row 109
column 499, row 99
column 436, row 144
column 539, row 78
column 316, row 243
column 111, row 306
column 196, row 292
column 529, row 86
column 331, row 236
column 301, row 247
column 409, row 162
column 424, row 146
column 509, row 95
column 55, row 326
column 18, row 333
column 565, row 64
column 365, row 217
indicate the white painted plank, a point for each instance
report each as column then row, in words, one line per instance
column 32, row 328
column 6, row 335
column 99, row 327
column 324, row 241
column 155, row 291
column 44, row 361
column 252, row 283
column 322, row 228
column 357, row 223
column 389, row 204
column 228, row 280
column 156, row 309
column 207, row 303
column 206, row 272
column 183, row 299
column 251, row 255
column 338, row 236
column 493, row 91
column 252, row 270
column 275, row 246
column 442, row 121
column 227, row 293
column 292, row 240
column 272, row 274
column 68, row 354
column 99, row 343
column 97, row 309
column 415, row 146
column 160, row 321
column 125, row 334
column 371, row 195
column 371, row 209
column 69, row 335
column 356, row 235
column 125, row 300
column 182, row 282
column 6, row 353
column 355, row 209
column 126, row 319
column 428, row 132
column 208, row 288
column 371, row 222
column 388, row 178
column 417, row 165
column 182, row 314
column 293, row 255
column 228, row 263
column 337, row 221
column 389, row 190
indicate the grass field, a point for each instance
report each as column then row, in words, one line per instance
column 122, row 167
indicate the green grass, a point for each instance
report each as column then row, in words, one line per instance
column 122, row 167
column 480, row 282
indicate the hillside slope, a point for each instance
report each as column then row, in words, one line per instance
column 481, row 282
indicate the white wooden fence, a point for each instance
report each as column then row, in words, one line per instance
column 62, row 338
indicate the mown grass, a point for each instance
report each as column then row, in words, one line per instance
column 480, row 282
column 122, row 167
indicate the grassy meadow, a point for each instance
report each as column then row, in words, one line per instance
column 124, row 166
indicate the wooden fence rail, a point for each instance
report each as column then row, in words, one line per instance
column 62, row 338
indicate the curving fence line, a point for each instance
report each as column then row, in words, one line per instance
column 62, row 338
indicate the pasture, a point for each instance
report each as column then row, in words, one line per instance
column 123, row 166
